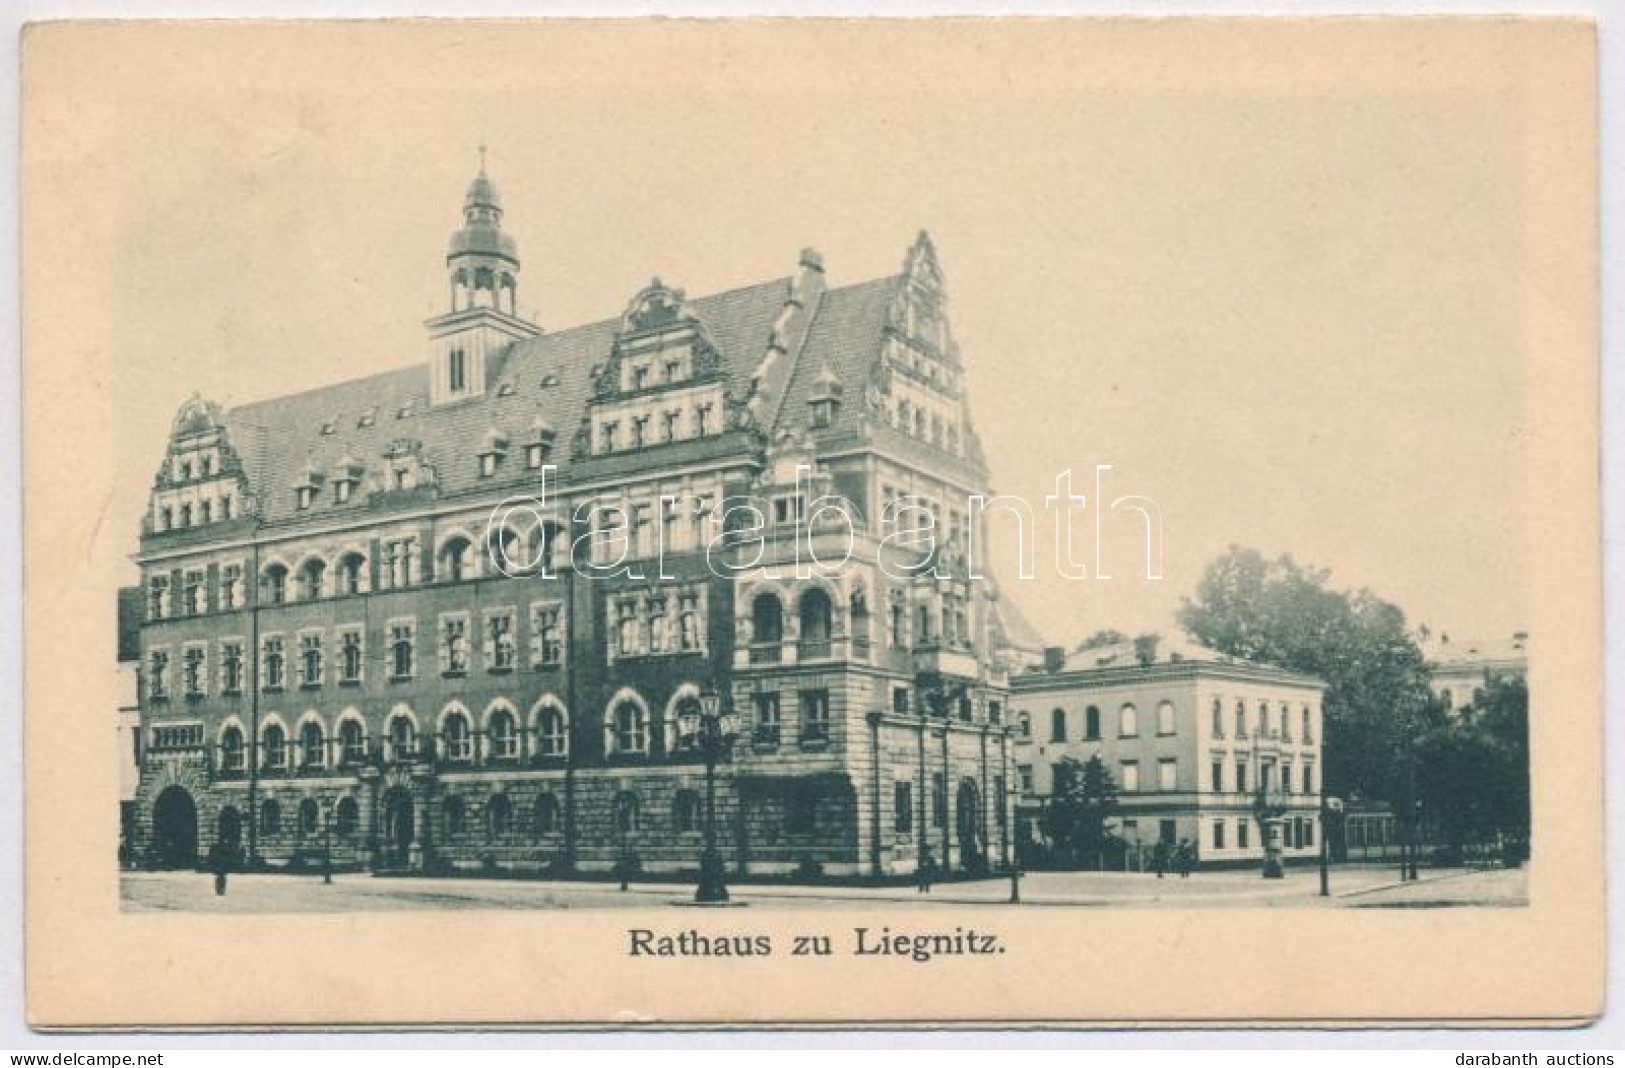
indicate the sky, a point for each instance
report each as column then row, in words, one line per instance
column 1283, row 301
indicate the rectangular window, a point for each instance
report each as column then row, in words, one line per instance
column 196, row 671
column 350, row 656
column 814, row 715
column 1241, row 776
column 1131, row 776
column 1308, row 832
column 1167, row 776
column 272, row 667
column 402, row 649
column 157, row 670
column 1241, row 833
column 1168, row 831
column 231, row 587
column 1218, row 777
column 231, row 667
column 1308, row 778
column 454, row 645
column 1025, row 772
column 903, row 807
column 939, row 799
column 310, row 660
column 767, row 718
column 546, row 635
column 192, row 604
column 1218, row 834
column 158, row 598
column 499, row 640
column 899, row 700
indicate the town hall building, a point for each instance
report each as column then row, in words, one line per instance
column 451, row 616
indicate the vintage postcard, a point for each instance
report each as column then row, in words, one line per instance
column 1014, row 522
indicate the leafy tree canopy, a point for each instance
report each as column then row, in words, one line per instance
column 1284, row 613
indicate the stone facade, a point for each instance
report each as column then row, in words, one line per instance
column 447, row 617
column 1193, row 741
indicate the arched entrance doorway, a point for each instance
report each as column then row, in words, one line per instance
column 968, row 818
column 398, row 828
column 229, row 831
column 174, row 829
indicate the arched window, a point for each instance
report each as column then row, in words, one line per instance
column 1091, row 723
column 767, row 620
column 310, row 816
column 1057, row 725
column 552, row 736
column 1306, row 734
column 312, row 579
column 456, row 815
column 275, row 744
column 1128, row 722
column 458, row 739
column 1217, row 727
column 1241, row 719
column 274, row 584
column 1263, row 719
column 627, row 812
column 631, row 728
column 403, row 739
column 816, row 622
column 1024, row 725
column 346, row 817
column 353, row 573
column 312, row 746
column 686, row 812
column 352, row 743
column 547, row 815
column 1165, row 717
column 270, row 818
column 499, row 815
column 1286, row 723
column 231, row 749
column 503, row 552
column 456, row 561
column 502, row 734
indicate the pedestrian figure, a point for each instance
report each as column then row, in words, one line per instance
column 1159, row 858
column 219, row 863
column 923, row 872
column 1185, row 858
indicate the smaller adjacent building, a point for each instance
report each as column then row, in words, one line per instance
column 131, row 612
column 1461, row 670
column 1194, row 740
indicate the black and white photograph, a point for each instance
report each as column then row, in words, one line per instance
column 907, row 492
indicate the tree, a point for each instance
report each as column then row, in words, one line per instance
column 1474, row 777
column 1102, row 638
column 1145, row 648
column 1082, row 802
column 1279, row 612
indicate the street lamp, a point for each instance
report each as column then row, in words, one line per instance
column 713, row 732
column 327, row 842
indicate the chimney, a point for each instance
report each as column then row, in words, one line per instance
column 1054, row 657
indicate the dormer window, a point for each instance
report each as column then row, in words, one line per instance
column 608, row 437
column 640, row 378
column 208, row 466
column 329, row 428
column 186, row 470
column 492, row 453
column 823, row 412
column 549, row 381
column 505, row 390
column 702, row 420
column 674, row 370
column 535, row 455
column 305, row 494
column 342, row 489
column 366, row 420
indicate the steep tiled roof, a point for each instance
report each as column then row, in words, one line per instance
column 845, row 338
column 279, row 438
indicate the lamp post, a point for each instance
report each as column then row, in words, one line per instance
column 712, row 731
column 327, row 842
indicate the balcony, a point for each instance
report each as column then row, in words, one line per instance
column 940, row 660
column 812, row 649
column 766, row 654
column 766, row 736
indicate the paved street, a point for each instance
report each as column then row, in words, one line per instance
column 1351, row 887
